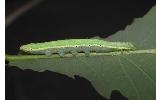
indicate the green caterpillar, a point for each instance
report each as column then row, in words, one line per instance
column 74, row 46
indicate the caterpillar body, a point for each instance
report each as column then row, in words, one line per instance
column 75, row 46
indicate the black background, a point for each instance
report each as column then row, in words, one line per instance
column 52, row 20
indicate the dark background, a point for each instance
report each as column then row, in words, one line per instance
column 52, row 20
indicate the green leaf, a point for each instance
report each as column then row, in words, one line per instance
column 141, row 33
column 130, row 72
